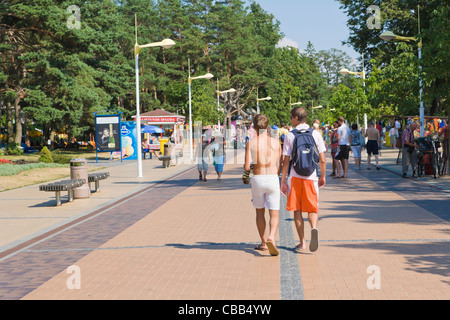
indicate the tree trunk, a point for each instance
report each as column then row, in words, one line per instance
column 18, row 138
column 9, row 120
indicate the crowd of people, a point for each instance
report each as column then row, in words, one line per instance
column 271, row 152
column 270, row 155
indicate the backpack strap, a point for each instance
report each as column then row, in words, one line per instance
column 295, row 131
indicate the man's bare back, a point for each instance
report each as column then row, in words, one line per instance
column 373, row 133
column 265, row 153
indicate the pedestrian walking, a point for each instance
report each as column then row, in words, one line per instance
column 219, row 143
column 357, row 143
column 264, row 152
column 334, row 145
column 303, row 149
column 393, row 134
column 409, row 155
column 203, row 154
column 373, row 144
column 344, row 137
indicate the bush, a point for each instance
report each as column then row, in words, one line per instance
column 46, row 156
column 13, row 149
column 60, row 158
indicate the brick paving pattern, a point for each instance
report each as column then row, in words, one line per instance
column 190, row 240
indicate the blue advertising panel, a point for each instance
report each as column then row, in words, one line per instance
column 129, row 140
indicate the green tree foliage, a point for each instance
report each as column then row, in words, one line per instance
column 399, row 63
column 58, row 67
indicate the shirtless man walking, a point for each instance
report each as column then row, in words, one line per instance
column 373, row 144
column 265, row 153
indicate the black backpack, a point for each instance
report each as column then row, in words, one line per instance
column 305, row 155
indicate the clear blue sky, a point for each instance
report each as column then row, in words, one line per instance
column 318, row 21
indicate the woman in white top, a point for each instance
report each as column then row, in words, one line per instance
column 393, row 134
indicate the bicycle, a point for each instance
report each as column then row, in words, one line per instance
column 428, row 154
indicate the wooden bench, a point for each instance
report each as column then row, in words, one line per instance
column 96, row 177
column 64, row 185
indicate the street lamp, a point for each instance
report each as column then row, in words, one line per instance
column 345, row 71
column 166, row 44
column 231, row 90
column 258, row 100
column 388, row 36
column 207, row 76
column 295, row 103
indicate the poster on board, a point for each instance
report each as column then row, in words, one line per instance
column 129, row 140
column 108, row 133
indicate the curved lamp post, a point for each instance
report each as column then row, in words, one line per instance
column 258, row 111
column 294, row 103
column 231, row 90
column 388, row 36
column 166, row 44
column 207, row 76
column 345, row 71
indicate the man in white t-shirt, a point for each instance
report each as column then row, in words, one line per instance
column 303, row 192
column 345, row 139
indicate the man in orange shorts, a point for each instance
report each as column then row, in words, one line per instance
column 303, row 191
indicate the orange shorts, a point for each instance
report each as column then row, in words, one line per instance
column 303, row 196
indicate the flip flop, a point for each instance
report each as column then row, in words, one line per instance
column 272, row 249
column 259, row 247
column 314, row 244
column 298, row 249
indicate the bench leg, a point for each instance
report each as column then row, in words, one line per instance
column 58, row 198
column 70, row 192
column 97, row 186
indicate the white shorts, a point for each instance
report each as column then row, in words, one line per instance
column 266, row 192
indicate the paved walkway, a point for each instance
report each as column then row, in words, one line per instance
column 184, row 239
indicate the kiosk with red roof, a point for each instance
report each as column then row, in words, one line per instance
column 171, row 123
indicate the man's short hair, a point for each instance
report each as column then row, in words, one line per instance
column 260, row 122
column 300, row 113
column 341, row 119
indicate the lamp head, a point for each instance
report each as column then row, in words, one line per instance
column 388, row 35
column 167, row 43
column 231, row 90
column 344, row 71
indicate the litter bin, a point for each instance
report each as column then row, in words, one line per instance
column 169, row 151
column 388, row 140
column 162, row 142
column 79, row 170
